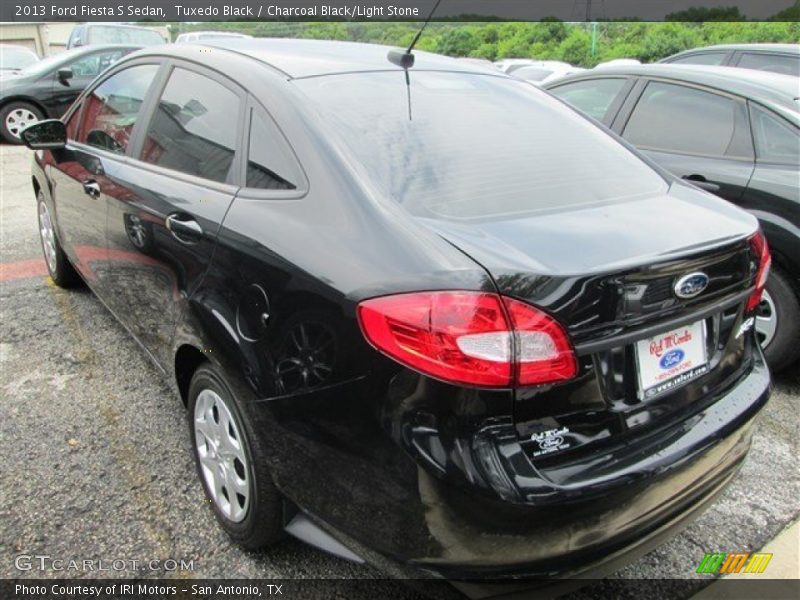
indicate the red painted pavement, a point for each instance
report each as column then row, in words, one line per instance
column 23, row 269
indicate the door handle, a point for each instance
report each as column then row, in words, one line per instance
column 184, row 228
column 92, row 188
column 702, row 183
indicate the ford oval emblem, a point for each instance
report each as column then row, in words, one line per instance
column 671, row 358
column 691, row 285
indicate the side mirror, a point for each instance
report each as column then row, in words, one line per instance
column 45, row 135
column 65, row 74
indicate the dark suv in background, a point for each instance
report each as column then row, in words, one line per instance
column 733, row 132
column 777, row 58
column 85, row 34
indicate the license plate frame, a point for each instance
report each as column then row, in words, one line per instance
column 670, row 359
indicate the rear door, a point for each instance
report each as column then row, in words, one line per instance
column 696, row 133
column 171, row 196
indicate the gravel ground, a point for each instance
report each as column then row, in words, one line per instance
column 97, row 457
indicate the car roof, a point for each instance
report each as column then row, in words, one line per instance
column 308, row 58
column 780, row 92
column 790, row 48
column 119, row 25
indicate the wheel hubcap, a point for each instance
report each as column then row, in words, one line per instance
column 17, row 120
column 48, row 236
column 220, row 448
column 766, row 320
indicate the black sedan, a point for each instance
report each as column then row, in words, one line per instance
column 431, row 318
column 45, row 89
column 733, row 132
column 776, row 58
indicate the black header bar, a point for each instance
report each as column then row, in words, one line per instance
column 396, row 10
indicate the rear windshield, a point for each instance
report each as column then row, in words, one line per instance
column 105, row 34
column 475, row 146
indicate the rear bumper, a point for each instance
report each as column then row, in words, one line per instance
column 396, row 514
column 644, row 504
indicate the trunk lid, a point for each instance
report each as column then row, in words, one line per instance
column 608, row 274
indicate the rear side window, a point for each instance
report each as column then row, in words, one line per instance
column 193, row 129
column 270, row 165
column 706, row 58
column 676, row 118
column 775, row 63
column 776, row 140
column 110, row 111
column 592, row 97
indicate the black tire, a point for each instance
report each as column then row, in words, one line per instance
column 263, row 523
column 12, row 107
column 62, row 272
column 784, row 349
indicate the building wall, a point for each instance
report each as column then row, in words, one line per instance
column 30, row 35
column 45, row 38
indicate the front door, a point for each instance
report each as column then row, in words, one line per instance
column 83, row 174
column 170, row 200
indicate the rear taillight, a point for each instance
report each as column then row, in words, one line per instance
column 760, row 251
column 466, row 337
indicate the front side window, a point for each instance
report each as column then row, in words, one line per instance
column 112, row 108
column 706, row 58
column 193, row 129
column 73, row 123
column 270, row 165
column 775, row 63
column 776, row 140
column 592, row 97
column 676, row 118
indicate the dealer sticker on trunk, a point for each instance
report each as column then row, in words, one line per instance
column 671, row 359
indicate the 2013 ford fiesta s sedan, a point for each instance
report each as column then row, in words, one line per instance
column 424, row 316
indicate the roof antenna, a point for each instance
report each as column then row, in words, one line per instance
column 406, row 59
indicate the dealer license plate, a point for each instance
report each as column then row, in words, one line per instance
column 670, row 359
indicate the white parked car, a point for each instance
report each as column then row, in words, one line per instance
column 508, row 65
column 619, row 62
column 196, row 36
column 545, row 71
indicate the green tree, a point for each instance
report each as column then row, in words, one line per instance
column 663, row 39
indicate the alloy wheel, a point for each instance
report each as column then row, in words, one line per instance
column 220, row 447
column 48, row 236
column 766, row 320
column 17, row 120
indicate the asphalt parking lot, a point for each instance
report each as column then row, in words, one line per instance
column 97, row 460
